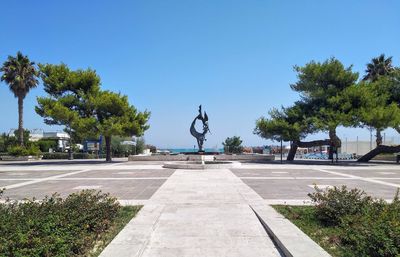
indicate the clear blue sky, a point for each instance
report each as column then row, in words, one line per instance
column 235, row 57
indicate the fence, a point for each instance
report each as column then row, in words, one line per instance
column 361, row 147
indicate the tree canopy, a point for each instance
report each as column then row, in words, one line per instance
column 76, row 101
column 115, row 116
column 233, row 145
column 330, row 97
column 289, row 124
column 318, row 84
column 67, row 103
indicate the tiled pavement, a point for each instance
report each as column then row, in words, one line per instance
column 139, row 181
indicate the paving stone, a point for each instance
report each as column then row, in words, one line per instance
column 203, row 214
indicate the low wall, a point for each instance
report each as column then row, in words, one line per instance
column 220, row 157
column 245, row 157
column 19, row 158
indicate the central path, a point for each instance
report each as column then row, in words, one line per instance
column 196, row 213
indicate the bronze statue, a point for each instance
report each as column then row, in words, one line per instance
column 200, row 137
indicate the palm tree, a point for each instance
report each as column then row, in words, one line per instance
column 21, row 76
column 379, row 66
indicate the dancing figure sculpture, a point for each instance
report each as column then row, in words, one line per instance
column 200, row 137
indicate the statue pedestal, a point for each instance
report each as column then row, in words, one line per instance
column 201, row 153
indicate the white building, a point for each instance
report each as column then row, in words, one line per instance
column 37, row 134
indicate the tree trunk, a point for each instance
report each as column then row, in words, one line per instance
column 378, row 137
column 21, row 120
column 335, row 142
column 296, row 144
column 378, row 150
column 108, row 148
column 293, row 149
column 70, row 152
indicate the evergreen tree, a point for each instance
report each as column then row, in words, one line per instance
column 115, row 116
column 317, row 84
column 68, row 101
column 378, row 67
column 290, row 124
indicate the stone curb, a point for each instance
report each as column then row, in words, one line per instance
column 199, row 166
column 288, row 237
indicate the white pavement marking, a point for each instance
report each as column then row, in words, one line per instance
column 63, row 167
column 279, row 172
column 296, row 202
column 320, row 186
column 385, row 178
column 297, row 178
column 360, row 178
column 386, row 173
column 87, row 187
column 86, row 178
column 8, row 179
column 125, row 173
column 288, row 202
column 50, row 178
column 89, row 178
column 132, row 202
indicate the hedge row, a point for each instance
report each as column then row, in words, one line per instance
column 64, row 156
column 56, row 226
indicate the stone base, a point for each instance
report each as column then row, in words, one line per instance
column 219, row 157
column 19, row 158
column 199, row 166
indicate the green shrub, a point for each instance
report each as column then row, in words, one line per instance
column 153, row 149
column 33, row 150
column 7, row 141
column 376, row 232
column 233, row 145
column 84, row 156
column 23, row 151
column 56, row 226
column 18, row 151
column 336, row 203
column 55, row 156
column 46, row 144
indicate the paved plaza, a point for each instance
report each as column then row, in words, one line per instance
column 138, row 181
column 222, row 212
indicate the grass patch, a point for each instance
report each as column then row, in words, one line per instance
column 125, row 214
column 80, row 225
column 349, row 222
column 305, row 218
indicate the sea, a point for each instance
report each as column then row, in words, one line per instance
column 187, row 150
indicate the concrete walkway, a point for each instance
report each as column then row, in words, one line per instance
column 196, row 213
